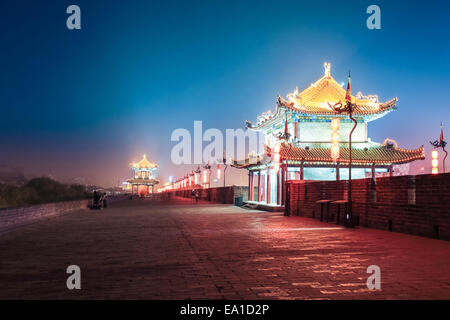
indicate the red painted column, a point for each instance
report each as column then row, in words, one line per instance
column 282, row 185
column 253, row 185
column 259, row 185
column 278, row 188
column 250, row 185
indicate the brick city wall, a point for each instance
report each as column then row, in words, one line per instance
column 410, row 204
column 11, row 218
column 219, row 195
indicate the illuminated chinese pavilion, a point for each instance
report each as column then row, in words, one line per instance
column 309, row 151
column 144, row 177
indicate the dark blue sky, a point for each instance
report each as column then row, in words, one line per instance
column 86, row 103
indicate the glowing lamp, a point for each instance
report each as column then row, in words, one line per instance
column 218, row 172
column 335, row 137
column 204, row 176
column 335, row 126
column 335, row 152
column 434, row 162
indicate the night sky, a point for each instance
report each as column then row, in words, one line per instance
column 86, row 103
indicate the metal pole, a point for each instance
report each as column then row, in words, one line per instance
column 285, row 195
column 249, row 184
column 224, row 170
column 350, row 211
column 443, row 161
column 259, row 185
column 283, row 187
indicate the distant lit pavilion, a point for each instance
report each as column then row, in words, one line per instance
column 144, row 177
column 315, row 145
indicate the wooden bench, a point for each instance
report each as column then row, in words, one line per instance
column 339, row 203
column 322, row 203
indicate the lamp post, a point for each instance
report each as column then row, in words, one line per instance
column 192, row 177
column 208, row 167
column 348, row 109
column 197, row 173
column 441, row 143
column 224, row 160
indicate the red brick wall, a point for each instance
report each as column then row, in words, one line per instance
column 410, row 204
column 220, row 195
column 11, row 218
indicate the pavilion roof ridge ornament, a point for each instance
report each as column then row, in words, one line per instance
column 327, row 67
column 371, row 97
column 266, row 116
column 390, row 143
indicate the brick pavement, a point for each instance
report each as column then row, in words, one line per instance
column 142, row 249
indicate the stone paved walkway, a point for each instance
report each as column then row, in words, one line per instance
column 140, row 249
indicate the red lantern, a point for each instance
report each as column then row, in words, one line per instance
column 218, row 172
